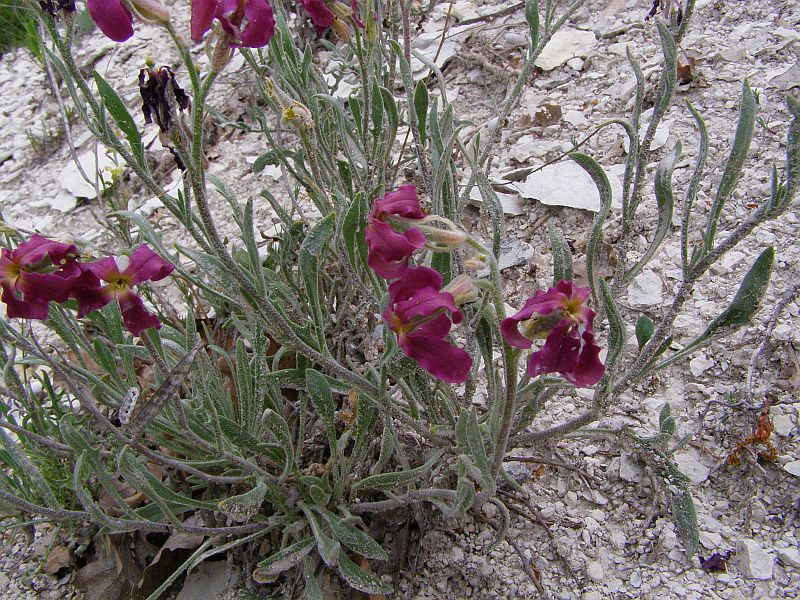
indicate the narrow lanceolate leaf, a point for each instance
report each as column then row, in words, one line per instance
column 792, row 151
column 283, row 560
column 329, row 549
column 320, row 393
column 353, row 537
column 149, row 408
column 24, row 468
column 477, row 451
column 748, row 299
column 243, row 506
column 733, row 168
column 311, row 251
column 666, row 422
column 645, row 328
column 532, row 17
column 598, row 175
column 616, row 332
column 666, row 203
column 353, row 231
column 562, row 255
column 421, row 110
column 360, row 579
column 123, row 119
column 390, row 480
column 685, row 517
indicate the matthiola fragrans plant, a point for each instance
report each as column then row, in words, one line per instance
column 359, row 358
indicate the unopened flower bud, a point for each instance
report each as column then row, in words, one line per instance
column 341, row 29
column 463, row 290
column 340, row 10
column 149, row 11
column 443, row 239
column 476, row 263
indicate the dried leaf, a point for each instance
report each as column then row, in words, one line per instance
column 547, row 114
column 716, row 563
column 114, row 572
column 56, row 560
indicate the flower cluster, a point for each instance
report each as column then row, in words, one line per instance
column 417, row 303
column 389, row 250
column 40, row 271
column 249, row 23
column 559, row 315
column 418, row 306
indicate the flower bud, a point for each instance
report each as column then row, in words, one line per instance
column 340, row 10
column 443, row 239
column 463, row 290
column 149, row 11
column 341, row 30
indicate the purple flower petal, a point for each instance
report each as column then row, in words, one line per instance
column 436, row 356
column 112, row 17
column 134, row 315
column 589, row 370
column 146, row 265
column 202, row 16
column 320, row 14
column 559, row 353
column 260, row 24
column 402, row 202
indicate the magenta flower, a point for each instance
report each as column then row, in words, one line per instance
column 417, row 314
column 249, row 22
column 144, row 265
column 327, row 13
column 37, row 272
column 115, row 17
column 559, row 315
column 390, row 250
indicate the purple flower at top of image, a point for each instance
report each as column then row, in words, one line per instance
column 35, row 273
column 418, row 313
column 326, row 13
column 249, row 22
column 143, row 265
column 389, row 250
column 560, row 316
column 115, row 17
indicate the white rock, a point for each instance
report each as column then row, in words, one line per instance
column 789, row 556
column 63, row 202
column 783, row 425
column 514, row 253
column 72, row 180
column 513, row 205
column 636, row 579
column 567, row 184
column 755, row 562
column 645, row 289
column 594, row 570
column 710, row 540
column 576, row 63
column 514, row 39
column 700, row 364
column 688, row 462
column 793, row 467
column 576, row 118
column 629, row 469
column 618, row 540
column 565, row 44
